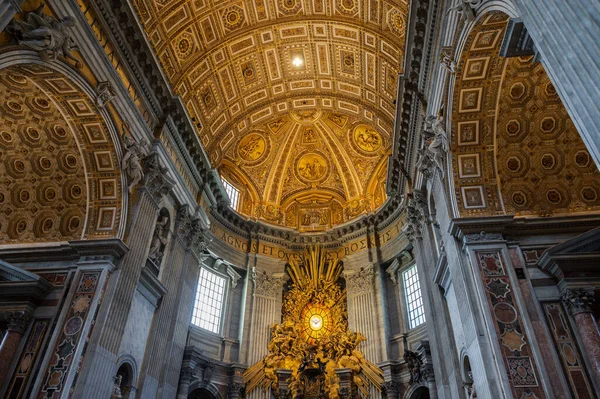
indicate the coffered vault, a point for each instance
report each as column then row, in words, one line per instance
column 293, row 99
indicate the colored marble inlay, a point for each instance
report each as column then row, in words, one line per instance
column 56, row 279
column 64, row 350
column 517, row 353
column 27, row 360
column 567, row 349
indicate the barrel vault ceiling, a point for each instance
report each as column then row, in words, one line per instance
column 293, row 100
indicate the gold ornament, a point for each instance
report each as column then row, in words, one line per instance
column 313, row 338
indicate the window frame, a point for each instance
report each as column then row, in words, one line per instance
column 224, row 299
column 405, row 295
column 234, row 200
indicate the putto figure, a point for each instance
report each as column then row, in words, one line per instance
column 45, row 34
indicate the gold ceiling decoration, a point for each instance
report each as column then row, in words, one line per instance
column 261, row 79
column 313, row 339
column 60, row 180
column 539, row 164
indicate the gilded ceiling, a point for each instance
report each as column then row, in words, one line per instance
column 515, row 149
column 60, row 180
column 257, row 77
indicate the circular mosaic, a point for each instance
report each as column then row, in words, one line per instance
column 367, row 139
column 252, row 147
column 311, row 167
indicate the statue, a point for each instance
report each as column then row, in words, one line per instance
column 45, row 34
column 159, row 239
column 116, row 391
column 439, row 144
column 471, row 387
column 447, row 62
column 465, row 8
column 131, row 162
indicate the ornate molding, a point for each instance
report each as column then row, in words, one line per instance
column 361, row 281
column 578, row 300
column 267, row 285
column 191, row 232
column 18, row 321
column 156, row 181
column 482, row 237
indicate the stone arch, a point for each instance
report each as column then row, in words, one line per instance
column 63, row 180
column 204, row 387
column 127, row 369
column 514, row 149
column 417, row 391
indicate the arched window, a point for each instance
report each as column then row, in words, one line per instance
column 232, row 192
column 210, row 297
column 414, row 299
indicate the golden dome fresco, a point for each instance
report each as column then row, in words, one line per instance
column 293, row 100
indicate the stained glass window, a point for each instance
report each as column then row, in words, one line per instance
column 414, row 299
column 209, row 301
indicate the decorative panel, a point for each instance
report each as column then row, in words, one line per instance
column 512, row 338
column 63, row 352
column 567, row 350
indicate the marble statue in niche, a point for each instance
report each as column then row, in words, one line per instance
column 45, row 34
column 159, row 240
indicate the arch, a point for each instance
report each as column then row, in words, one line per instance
column 514, row 149
column 209, row 388
column 72, row 181
column 417, row 391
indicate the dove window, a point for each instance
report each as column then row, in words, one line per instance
column 210, row 296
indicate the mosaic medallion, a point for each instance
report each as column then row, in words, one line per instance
column 311, row 167
column 252, row 147
column 367, row 139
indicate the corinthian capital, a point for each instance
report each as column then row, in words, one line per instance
column 578, row 300
column 18, row 321
column 156, row 180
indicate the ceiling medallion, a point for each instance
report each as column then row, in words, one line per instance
column 252, row 147
column 367, row 139
column 311, row 167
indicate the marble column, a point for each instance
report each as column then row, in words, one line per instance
column 566, row 34
column 578, row 302
column 18, row 322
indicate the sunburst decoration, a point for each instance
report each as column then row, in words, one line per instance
column 314, row 332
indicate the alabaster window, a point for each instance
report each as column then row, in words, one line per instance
column 414, row 299
column 210, row 296
column 232, row 192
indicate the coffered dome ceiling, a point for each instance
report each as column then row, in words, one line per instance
column 293, row 100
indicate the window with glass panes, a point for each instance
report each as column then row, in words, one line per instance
column 414, row 299
column 209, row 301
column 232, row 192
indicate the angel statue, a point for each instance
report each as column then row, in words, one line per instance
column 439, row 144
column 465, row 9
column 159, row 239
column 131, row 162
column 45, row 34
column 447, row 62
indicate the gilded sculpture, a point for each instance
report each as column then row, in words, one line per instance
column 313, row 336
column 251, row 147
column 312, row 167
column 367, row 139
